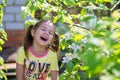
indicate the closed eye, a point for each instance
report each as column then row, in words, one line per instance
column 51, row 33
column 42, row 29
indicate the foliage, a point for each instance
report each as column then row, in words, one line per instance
column 92, row 44
column 3, row 37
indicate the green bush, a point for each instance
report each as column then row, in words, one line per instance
column 3, row 37
column 92, row 45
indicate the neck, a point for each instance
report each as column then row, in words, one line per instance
column 39, row 49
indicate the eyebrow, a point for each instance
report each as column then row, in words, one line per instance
column 46, row 27
column 43, row 27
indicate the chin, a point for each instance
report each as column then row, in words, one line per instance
column 44, row 44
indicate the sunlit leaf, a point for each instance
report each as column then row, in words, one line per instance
column 116, row 14
column 89, row 75
column 116, row 46
column 118, row 60
column 94, row 32
column 77, row 77
column 106, row 0
column 83, row 11
column 29, row 22
column 84, row 68
column 117, row 78
column 55, row 19
column 116, row 52
column 102, row 33
column 24, row 13
column 115, row 25
column 69, row 2
column 66, row 19
column 103, row 43
column 1, row 14
column 32, row 8
column 117, row 35
column 2, row 74
column 1, row 41
column 78, row 37
column 63, row 47
column 0, row 48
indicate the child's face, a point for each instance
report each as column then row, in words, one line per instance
column 44, row 34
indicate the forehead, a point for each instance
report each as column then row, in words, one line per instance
column 48, row 25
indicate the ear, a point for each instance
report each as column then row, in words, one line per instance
column 32, row 32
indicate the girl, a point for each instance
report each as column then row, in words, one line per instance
column 38, row 55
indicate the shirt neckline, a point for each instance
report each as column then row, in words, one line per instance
column 36, row 55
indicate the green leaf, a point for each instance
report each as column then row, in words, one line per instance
column 41, row 1
column 1, row 60
column 103, row 7
column 4, row 2
column 91, row 0
column 23, row 14
column 0, row 48
column 60, row 0
column 1, row 14
column 78, row 37
column 69, row 2
column 32, row 9
column 60, row 19
column 59, row 12
column 27, row 2
column 66, row 19
column 29, row 22
column 2, row 75
column 69, row 66
column 62, row 77
column 83, row 11
column 66, row 2
column 1, row 41
column 103, row 1
column 117, row 66
column 55, row 19
column 77, row 77
column 87, row 18
column 3, row 34
column 63, row 47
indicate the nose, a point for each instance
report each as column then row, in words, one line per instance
column 47, row 33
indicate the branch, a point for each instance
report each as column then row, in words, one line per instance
column 115, row 5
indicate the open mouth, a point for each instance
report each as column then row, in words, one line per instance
column 43, row 38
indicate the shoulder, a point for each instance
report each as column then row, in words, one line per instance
column 21, row 50
column 20, row 56
column 52, row 53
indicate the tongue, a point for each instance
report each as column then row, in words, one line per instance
column 43, row 39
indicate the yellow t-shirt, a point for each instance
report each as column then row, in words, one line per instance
column 37, row 67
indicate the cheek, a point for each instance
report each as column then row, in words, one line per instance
column 38, row 33
column 51, row 39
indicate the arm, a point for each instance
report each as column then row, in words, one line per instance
column 54, row 75
column 20, row 71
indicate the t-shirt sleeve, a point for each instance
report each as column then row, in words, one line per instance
column 54, row 62
column 20, row 56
